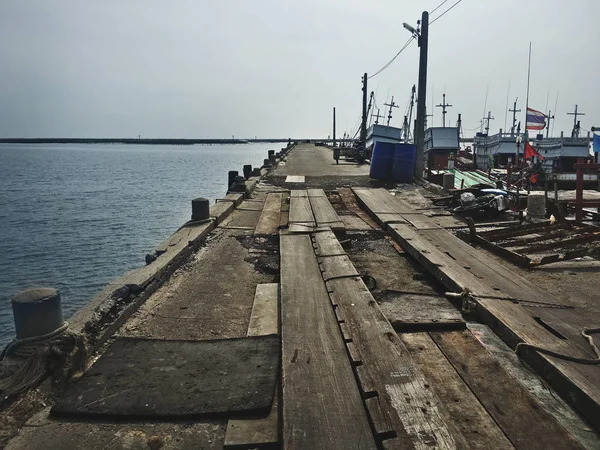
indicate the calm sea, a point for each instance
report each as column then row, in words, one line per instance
column 75, row 217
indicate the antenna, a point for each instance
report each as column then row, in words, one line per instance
column 575, row 132
column 488, row 118
column 514, row 111
column 549, row 117
column 391, row 105
column 444, row 105
column 377, row 117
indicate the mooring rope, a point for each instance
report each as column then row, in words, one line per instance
column 469, row 304
column 586, row 332
column 62, row 352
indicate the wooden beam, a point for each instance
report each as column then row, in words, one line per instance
column 301, row 217
column 322, row 408
column 268, row 222
column 460, row 405
column 526, row 424
column 323, row 212
column 259, row 431
column 401, row 406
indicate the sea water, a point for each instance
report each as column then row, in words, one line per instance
column 75, row 217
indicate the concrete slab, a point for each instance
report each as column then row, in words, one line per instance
column 158, row 378
column 43, row 433
column 317, row 161
column 210, row 297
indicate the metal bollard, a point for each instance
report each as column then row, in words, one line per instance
column 267, row 163
column 231, row 177
column 200, row 208
column 448, row 181
column 37, row 312
column 247, row 171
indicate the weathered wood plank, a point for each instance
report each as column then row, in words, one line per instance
column 264, row 317
column 323, row 212
column 270, row 217
column 259, row 432
column 322, row 408
column 459, row 404
column 419, row 312
column 526, row 424
column 381, row 201
column 460, row 267
column 351, row 204
column 301, row 217
column 549, row 400
column 441, row 265
column 406, row 406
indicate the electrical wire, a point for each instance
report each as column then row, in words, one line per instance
column 442, row 14
column 389, row 63
column 438, row 7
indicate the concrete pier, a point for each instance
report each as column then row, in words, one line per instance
column 351, row 277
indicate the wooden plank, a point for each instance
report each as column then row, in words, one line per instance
column 405, row 406
column 322, row 408
column 381, row 201
column 294, row 179
column 459, row 404
column 419, row 312
column 351, row 204
column 460, row 267
column 269, row 220
column 264, row 317
column 249, row 205
column 549, row 400
column 301, row 217
column 526, row 424
column 441, row 265
column 259, row 432
column 323, row 212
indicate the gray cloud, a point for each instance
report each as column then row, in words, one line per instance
column 276, row 68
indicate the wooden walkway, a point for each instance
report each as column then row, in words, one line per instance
column 517, row 310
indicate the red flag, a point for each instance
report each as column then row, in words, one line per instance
column 533, row 178
column 530, row 152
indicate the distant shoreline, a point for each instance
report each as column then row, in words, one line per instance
column 163, row 141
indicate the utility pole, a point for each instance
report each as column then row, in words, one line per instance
column 443, row 105
column 514, row 111
column 550, row 117
column 488, row 118
column 377, row 117
column 423, row 39
column 391, row 105
column 575, row 131
column 334, row 126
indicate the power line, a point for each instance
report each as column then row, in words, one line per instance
column 393, row 59
column 438, row 7
column 442, row 14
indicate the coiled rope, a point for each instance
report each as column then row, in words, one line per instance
column 61, row 352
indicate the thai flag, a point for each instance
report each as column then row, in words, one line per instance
column 536, row 120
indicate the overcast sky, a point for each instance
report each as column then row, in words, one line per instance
column 275, row 68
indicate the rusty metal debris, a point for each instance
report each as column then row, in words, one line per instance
column 541, row 243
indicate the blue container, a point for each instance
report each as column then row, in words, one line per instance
column 403, row 166
column 393, row 162
column 381, row 161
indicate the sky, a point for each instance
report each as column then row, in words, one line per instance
column 276, row 68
